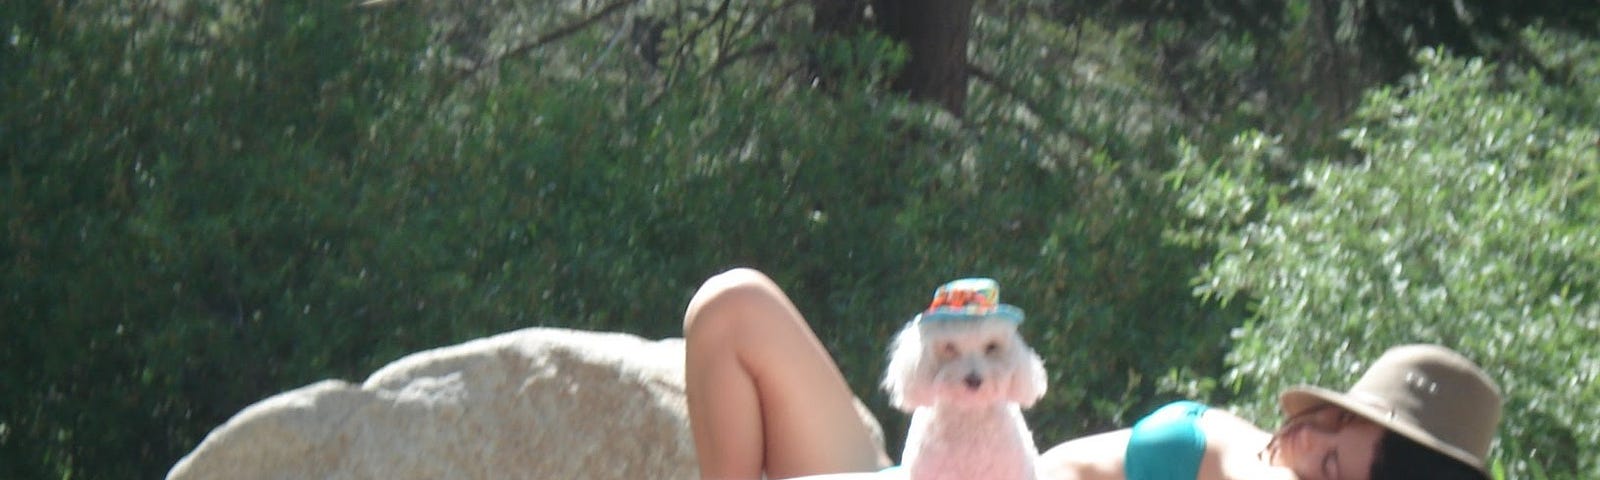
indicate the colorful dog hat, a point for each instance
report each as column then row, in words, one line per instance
column 969, row 299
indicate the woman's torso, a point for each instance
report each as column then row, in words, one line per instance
column 1179, row 441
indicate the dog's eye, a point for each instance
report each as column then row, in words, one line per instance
column 948, row 350
column 992, row 348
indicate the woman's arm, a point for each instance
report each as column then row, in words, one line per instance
column 1095, row 457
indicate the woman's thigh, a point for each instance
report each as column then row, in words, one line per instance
column 764, row 395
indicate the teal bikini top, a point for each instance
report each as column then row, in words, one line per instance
column 1167, row 444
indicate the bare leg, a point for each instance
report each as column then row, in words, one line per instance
column 763, row 393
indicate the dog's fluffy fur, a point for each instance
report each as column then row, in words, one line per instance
column 965, row 383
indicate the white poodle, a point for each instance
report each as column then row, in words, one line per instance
column 965, row 374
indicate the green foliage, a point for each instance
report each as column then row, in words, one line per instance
column 172, row 193
column 1298, row 69
column 1468, row 222
column 205, row 203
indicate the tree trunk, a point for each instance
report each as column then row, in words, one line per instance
column 935, row 33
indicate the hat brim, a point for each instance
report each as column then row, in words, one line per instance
column 1297, row 400
column 947, row 314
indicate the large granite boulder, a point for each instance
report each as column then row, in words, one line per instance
column 534, row 403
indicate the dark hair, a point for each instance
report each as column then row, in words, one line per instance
column 1399, row 457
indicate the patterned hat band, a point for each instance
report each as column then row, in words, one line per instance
column 970, row 299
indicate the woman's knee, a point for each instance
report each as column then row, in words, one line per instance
column 730, row 296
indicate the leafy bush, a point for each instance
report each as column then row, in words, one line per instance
column 1468, row 220
column 209, row 202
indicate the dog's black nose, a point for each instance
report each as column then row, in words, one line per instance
column 973, row 381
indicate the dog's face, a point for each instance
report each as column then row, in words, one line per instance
column 964, row 363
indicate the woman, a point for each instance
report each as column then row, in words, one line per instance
column 765, row 397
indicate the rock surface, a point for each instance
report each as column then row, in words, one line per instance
column 534, row 403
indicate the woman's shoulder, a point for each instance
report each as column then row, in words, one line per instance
column 1225, row 428
column 1234, row 446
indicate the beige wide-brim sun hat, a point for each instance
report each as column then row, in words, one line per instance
column 1427, row 393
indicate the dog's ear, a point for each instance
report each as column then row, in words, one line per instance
column 1028, row 381
column 906, row 380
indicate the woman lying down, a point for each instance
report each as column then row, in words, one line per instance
column 765, row 398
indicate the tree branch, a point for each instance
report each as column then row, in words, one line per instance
column 1032, row 105
column 760, row 49
column 547, row 38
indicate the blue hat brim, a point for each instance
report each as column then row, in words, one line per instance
column 948, row 314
